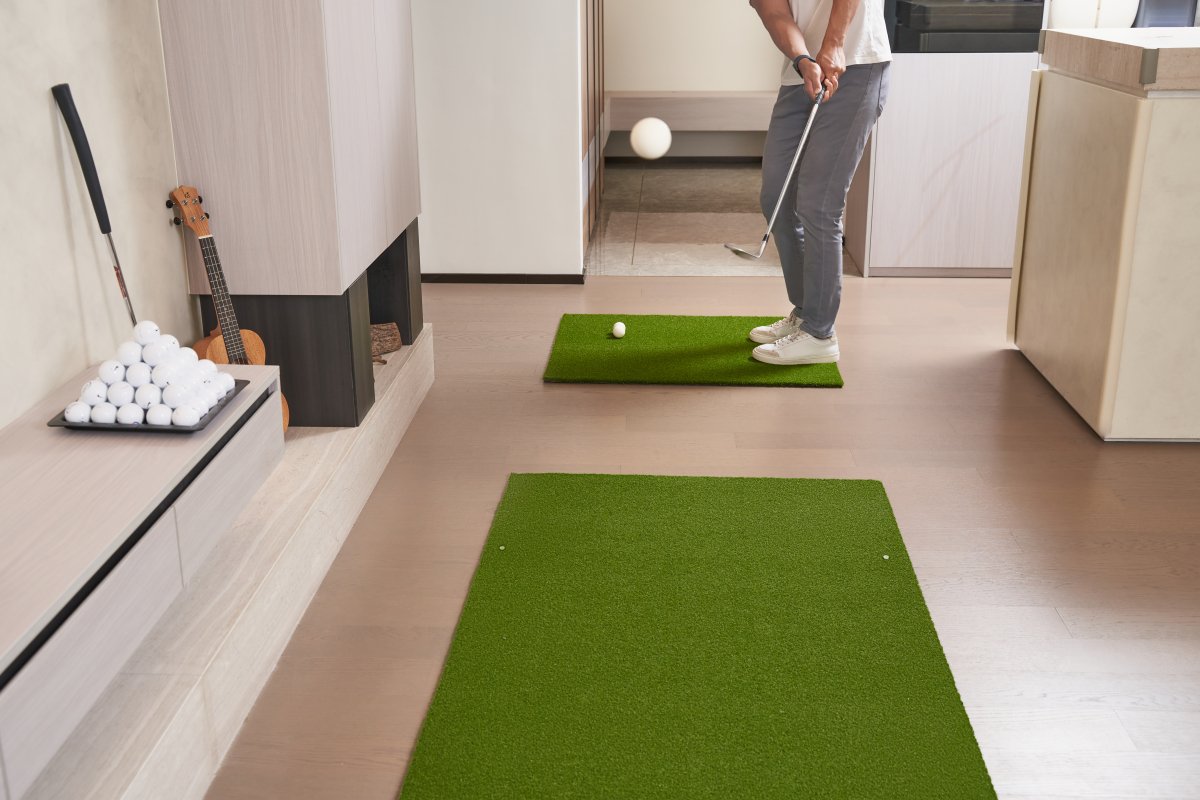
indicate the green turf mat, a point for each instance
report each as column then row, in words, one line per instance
column 695, row 351
column 671, row 637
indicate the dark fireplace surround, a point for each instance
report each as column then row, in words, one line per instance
column 322, row 343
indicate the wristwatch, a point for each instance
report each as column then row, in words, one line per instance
column 802, row 57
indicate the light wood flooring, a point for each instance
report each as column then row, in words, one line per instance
column 1062, row 573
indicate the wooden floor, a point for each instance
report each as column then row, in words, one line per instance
column 1063, row 573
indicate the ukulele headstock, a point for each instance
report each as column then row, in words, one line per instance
column 185, row 200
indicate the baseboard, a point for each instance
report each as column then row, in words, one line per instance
column 683, row 161
column 167, row 720
column 504, row 277
column 936, row 272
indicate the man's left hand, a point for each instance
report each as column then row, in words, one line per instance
column 832, row 59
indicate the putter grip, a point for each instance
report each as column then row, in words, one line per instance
column 66, row 104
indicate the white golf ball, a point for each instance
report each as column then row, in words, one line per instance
column 78, row 411
column 187, row 355
column 120, row 393
column 618, row 329
column 137, row 375
column 94, row 392
column 105, row 413
column 885, row 558
column 174, row 396
column 155, row 353
column 131, row 414
column 185, row 416
column 129, row 353
column 211, row 394
column 111, row 371
column 145, row 332
column 207, row 367
column 227, row 382
column 164, row 375
column 650, row 138
column 148, row 395
column 168, row 341
column 158, row 415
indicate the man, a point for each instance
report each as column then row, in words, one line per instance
column 851, row 61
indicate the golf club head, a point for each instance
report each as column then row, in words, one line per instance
column 746, row 253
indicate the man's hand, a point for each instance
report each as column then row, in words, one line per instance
column 832, row 59
column 813, row 75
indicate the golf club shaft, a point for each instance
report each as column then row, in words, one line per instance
column 121, row 279
column 812, row 115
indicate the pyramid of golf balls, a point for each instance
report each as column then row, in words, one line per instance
column 152, row 380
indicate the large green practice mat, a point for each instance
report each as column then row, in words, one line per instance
column 676, row 637
column 695, row 351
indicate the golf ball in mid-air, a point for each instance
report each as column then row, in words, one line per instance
column 650, row 138
column 78, row 411
column 146, row 332
column 618, row 329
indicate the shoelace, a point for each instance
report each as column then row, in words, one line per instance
column 792, row 337
column 786, row 323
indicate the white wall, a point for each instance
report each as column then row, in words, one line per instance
column 60, row 309
column 687, row 45
column 499, row 123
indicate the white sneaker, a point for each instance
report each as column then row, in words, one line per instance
column 799, row 348
column 765, row 334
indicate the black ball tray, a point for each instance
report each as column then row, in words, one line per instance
column 61, row 422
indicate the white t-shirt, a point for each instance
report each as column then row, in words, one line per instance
column 866, row 37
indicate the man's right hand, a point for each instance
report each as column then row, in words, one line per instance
column 812, row 74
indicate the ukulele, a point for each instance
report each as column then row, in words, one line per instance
column 228, row 343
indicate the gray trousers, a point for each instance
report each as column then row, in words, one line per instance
column 808, row 233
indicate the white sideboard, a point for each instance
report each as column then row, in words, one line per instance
column 938, row 188
column 102, row 531
column 1106, row 291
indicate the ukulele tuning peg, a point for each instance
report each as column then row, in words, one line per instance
column 177, row 221
column 199, row 199
column 207, row 215
column 170, row 204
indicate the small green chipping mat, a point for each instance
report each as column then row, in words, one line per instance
column 657, row 349
column 629, row 636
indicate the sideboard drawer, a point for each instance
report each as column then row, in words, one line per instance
column 41, row 706
column 207, row 508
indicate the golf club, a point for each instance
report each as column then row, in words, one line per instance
column 762, row 248
column 66, row 104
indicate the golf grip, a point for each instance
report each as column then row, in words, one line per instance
column 66, row 104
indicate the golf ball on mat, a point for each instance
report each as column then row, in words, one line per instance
column 120, row 393
column 158, row 415
column 145, row 332
column 155, row 353
column 78, row 411
column 94, row 392
column 618, row 329
column 112, row 371
column 105, row 413
column 885, row 558
column 130, row 414
column 650, row 138
column 129, row 353
column 148, row 395
column 185, row 416
column 137, row 375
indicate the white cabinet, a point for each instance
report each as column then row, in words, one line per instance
column 296, row 120
column 938, row 190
